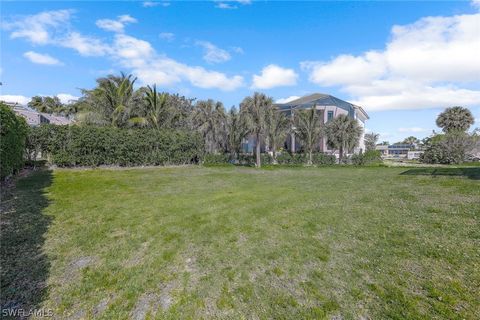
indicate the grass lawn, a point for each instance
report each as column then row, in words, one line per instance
column 232, row 242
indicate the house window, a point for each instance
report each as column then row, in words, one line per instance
column 329, row 115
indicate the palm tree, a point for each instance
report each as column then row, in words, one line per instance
column 371, row 139
column 343, row 134
column 255, row 109
column 236, row 131
column 455, row 119
column 413, row 141
column 156, row 109
column 210, row 119
column 308, row 127
column 37, row 103
column 117, row 93
column 47, row 105
column 277, row 129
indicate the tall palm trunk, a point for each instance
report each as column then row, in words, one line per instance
column 257, row 151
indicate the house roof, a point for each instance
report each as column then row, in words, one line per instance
column 34, row 117
column 321, row 99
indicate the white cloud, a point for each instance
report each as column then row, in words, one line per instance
column 346, row 69
column 15, row 99
column 151, row 67
column 131, row 53
column 223, row 5
column 212, row 53
column 475, row 4
column 288, row 99
column 36, row 28
column 274, row 76
column 150, row 4
column 115, row 25
column 382, row 95
column 52, row 28
column 425, row 64
column 412, row 129
column 168, row 36
column 228, row 4
column 237, row 50
column 84, row 45
column 40, row 58
column 66, row 97
column 23, row 100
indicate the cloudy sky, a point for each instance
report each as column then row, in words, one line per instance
column 402, row 61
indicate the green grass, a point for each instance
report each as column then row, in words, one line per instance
column 233, row 242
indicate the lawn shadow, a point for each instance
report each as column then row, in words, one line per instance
column 470, row 173
column 24, row 266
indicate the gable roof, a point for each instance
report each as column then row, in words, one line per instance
column 320, row 99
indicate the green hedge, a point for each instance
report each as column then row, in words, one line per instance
column 68, row 146
column 368, row 158
column 301, row 158
column 13, row 134
column 216, row 159
column 284, row 158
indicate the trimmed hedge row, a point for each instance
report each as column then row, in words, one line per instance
column 282, row 159
column 68, row 146
column 13, row 134
column 367, row 158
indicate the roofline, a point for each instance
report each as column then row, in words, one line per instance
column 361, row 110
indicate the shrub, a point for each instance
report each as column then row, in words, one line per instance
column 216, row 159
column 13, row 135
column 301, row 158
column 92, row 146
column 367, row 158
column 452, row 147
column 324, row 159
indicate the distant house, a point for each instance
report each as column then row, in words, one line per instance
column 328, row 107
column 399, row 151
column 35, row 118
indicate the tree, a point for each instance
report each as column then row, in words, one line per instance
column 277, row 127
column 308, row 127
column 343, row 134
column 47, row 105
column 236, row 131
column 118, row 92
column 156, row 109
column 37, row 103
column 448, row 148
column 455, row 119
column 371, row 140
column 111, row 102
column 411, row 140
column 255, row 109
column 210, row 119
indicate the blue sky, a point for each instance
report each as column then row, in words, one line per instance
column 402, row 61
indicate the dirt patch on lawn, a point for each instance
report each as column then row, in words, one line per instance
column 138, row 256
column 152, row 303
column 143, row 306
column 75, row 267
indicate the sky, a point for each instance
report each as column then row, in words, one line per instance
column 402, row 61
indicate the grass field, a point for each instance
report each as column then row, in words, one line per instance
column 232, row 242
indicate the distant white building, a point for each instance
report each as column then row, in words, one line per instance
column 328, row 108
column 399, row 151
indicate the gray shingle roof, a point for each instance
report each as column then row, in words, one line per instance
column 320, row 99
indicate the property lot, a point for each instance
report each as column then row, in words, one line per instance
column 236, row 242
